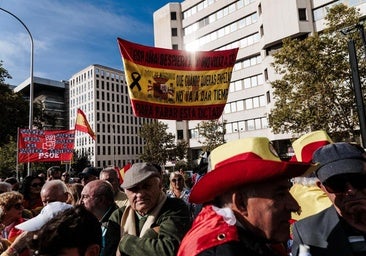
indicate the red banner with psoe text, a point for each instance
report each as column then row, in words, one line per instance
column 45, row 146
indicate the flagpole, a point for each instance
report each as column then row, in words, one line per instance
column 31, row 74
column 17, row 157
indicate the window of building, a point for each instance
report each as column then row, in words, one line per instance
column 302, row 14
column 175, row 47
column 261, row 31
column 173, row 15
column 259, row 9
column 266, row 74
column 174, row 32
column 180, row 134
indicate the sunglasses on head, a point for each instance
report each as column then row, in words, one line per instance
column 340, row 183
column 36, row 185
column 177, row 180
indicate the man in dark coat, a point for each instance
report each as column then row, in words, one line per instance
column 340, row 229
column 151, row 223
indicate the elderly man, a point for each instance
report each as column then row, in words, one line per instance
column 247, row 204
column 110, row 174
column 98, row 197
column 54, row 190
column 341, row 228
column 151, row 224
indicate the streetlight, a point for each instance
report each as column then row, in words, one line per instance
column 30, row 126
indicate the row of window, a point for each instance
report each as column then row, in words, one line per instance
column 239, row 126
column 112, row 87
column 247, row 62
column 246, row 83
column 117, row 151
column 245, row 104
column 206, row 3
column 247, row 125
column 82, row 77
column 246, row 41
column 106, row 74
column 321, row 12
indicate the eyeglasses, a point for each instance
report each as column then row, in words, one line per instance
column 18, row 206
column 36, row 185
column 177, row 180
column 340, row 183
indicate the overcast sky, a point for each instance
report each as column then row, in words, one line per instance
column 70, row 35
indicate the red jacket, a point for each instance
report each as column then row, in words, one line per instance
column 209, row 229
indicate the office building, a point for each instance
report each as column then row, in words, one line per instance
column 51, row 97
column 257, row 28
column 101, row 93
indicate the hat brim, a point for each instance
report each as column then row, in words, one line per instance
column 242, row 172
column 33, row 224
column 339, row 167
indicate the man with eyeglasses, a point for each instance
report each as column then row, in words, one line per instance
column 341, row 228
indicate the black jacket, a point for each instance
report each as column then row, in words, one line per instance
column 323, row 233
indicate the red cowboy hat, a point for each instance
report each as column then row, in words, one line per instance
column 242, row 162
column 306, row 145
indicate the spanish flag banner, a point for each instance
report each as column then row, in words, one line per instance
column 82, row 124
column 174, row 84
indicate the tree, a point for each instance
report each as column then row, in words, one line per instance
column 8, row 158
column 13, row 111
column 79, row 162
column 315, row 91
column 180, row 151
column 158, row 143
column 213, row 133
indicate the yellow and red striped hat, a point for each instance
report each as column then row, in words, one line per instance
column 306, row 145
column 241, row 162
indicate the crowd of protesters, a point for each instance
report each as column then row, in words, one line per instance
column 248, row 201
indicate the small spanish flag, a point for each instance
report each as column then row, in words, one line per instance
column 123, row 170
column 82, row 124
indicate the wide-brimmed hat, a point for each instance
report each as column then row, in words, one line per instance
column 339, row 158
column 241, row 162
column 138, row 173
column 47, row 213
column 305, row 146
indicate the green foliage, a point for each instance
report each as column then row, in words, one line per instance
column 13, row 111
column 180, row 151
column 212, row 132
column 79, row 162
column 8, row 158
column 315, row 91
column 159, row 144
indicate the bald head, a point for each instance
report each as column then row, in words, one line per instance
column 54, row 190
column 97, row 196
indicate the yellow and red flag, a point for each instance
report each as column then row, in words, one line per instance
column 175, row 84
column 122, row 171
column 83, row 125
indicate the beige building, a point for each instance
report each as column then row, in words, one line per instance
column 257, row 28
column 101, row 93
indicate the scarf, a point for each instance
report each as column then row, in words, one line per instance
column 128, row 223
